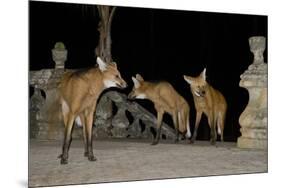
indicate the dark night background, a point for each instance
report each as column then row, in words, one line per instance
column 158, row 44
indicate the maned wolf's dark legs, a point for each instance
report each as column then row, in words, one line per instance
column 89, row 124
column 83, row 120
column 176, row 125
column 198, row 118
column 159, row 125
column 212, row 123
column 67, row 139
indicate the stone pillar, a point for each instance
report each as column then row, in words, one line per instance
column 48, row 123
column 253, row 120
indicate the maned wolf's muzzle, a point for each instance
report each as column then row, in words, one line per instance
column 123, row 84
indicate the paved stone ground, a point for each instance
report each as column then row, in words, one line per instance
column 128, row 159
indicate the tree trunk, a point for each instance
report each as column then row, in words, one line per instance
column 103, row 49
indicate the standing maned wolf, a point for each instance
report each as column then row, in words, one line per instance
column 79, row 92
column 165, row 99
column 209, row 101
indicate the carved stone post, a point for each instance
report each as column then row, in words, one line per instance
column 51, row 115
column 253, row 120
column 48, row 122
column 59, row 54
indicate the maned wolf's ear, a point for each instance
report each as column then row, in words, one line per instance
column 136, row 82
column 102, row 64
column 139, row 78
column 203, row 74
column 188, row 79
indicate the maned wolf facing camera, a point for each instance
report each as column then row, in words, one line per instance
column 165, row 99
column 209, row 101
column 79, row 92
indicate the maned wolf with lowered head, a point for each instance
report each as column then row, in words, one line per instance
column 165, row 99
column 79, row 92
column 209, row 101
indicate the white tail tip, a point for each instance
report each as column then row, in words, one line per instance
column 219, row 130
column 78, row 121
column 188, row 134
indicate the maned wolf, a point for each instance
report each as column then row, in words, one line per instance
column 209, row 101
column 165, row 99
column 79, row 92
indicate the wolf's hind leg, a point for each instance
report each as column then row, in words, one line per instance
column 212, row 123
column 220, row 124
column 159, row 125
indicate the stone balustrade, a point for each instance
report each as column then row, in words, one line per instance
column 106, row 124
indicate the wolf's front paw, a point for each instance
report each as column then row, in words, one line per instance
column 154, row 143
column 92, row 158
column 86, row 154
column 63, row 161
column 213, row 142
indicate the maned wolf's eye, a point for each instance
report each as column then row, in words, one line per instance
column 116, row 76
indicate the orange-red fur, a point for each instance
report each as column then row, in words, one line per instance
column 79, row 92
column 209, row 101
column 166, row 100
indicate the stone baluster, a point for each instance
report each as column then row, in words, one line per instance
column 134, row 129
column 103, row 118
column 253, row 120
column 36, row 103
column 120, row 122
